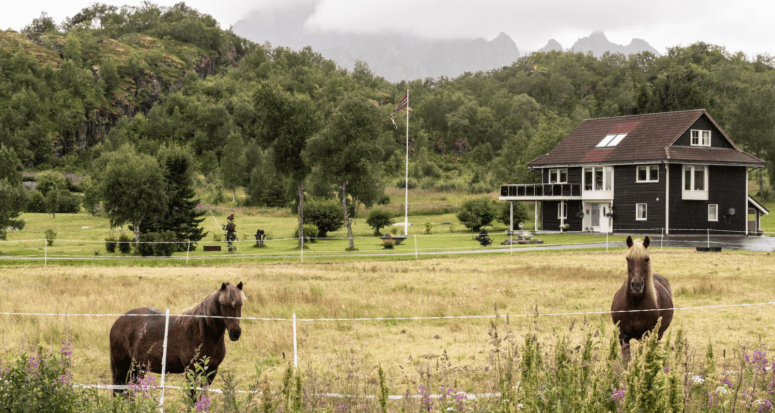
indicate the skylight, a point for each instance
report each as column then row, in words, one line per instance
column 611, row 140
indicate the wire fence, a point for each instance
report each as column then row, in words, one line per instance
column 294, row 320
column 413, row 245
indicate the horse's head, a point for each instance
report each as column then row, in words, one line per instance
column 230, row 305
column 638, row 265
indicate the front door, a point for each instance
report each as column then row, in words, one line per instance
column 605, row 222
column 595, row 217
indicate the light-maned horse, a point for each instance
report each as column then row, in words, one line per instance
column 136, row 342
column 643, row 290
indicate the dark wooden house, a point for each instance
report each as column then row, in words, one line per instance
column 672, row 172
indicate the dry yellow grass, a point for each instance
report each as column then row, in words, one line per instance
column 550, row 282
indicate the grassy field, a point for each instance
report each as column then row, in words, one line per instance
column 517, row 285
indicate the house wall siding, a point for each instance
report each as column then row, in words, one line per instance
column 717, row 140
column 628, row 193
column 552, row 223
column 726, row 188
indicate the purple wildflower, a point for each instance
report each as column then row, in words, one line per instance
column 759, row 361
column 765, row 406
column 202, row 404
column 771, row 387
column 340, row 407
column 618, row 395
column 64, row 379
column 65, row 350
column 425, row 398
column 667, row 369
column 726, row 381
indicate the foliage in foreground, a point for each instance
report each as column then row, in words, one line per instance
column 527, row 375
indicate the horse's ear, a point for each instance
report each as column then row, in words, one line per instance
column 239, row 286
column 629, row 241
column 223, row 287
column 646, row 241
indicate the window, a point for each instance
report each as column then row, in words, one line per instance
column 713, row 212
column 695, row 182
column 648, row 173
column 700, row 137
column 558, row 176
column 640, row 212
column 562, row 210
column 598, row 178
column 611, row 140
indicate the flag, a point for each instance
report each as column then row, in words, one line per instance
column 400, row 106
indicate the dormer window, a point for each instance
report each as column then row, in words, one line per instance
column 611, row 140
column 700, row 137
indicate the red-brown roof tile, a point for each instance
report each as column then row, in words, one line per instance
column 649, row 138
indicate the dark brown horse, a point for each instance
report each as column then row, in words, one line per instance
column 136, row 342
column 643, row 290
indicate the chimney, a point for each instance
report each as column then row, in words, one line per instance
column 632, row 110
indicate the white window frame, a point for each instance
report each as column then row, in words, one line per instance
column 645, row 212
column 557, row 171
column 649, row 169
column 562, row 210
column 715, row 207
column 703, row 137
column 606, row 179
column 694, row 194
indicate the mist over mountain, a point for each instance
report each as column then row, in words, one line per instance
column 598, row 44
column 395, row 57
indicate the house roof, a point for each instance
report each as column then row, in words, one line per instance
column 649, row 138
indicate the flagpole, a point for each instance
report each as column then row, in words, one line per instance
column 406, row 181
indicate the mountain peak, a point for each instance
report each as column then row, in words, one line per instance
column 598, row 44
column 550, row 46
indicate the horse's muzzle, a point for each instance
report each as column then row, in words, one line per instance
column 234, row 334
column 637, row 287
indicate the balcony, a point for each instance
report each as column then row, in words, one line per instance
column 540, row 192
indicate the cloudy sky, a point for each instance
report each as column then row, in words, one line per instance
column 745, row 26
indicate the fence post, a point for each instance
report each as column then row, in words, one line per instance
column 302, row 246
column 295, row 356
column 662, row 239
column 45, row 253
column 606, row 241
column 415, row 246
column 164, row 359
column 708, row 237
column 188, row 248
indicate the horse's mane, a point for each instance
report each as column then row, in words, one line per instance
column 637, row 250
column 231, row 296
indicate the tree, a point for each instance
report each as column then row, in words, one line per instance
column 378, row 219
column 91, row 198
column 289, row 121
column 476, row 213
column 132, row 188
column 347, row 146
column 10, row 166
column 181, row 216
column 233, row 163
column 12, row 203
column 50, row 180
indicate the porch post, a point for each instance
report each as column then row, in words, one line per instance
column 667, row 198
column 562, row 217
column 746, row 200
column 536, row 216
column 511, row 218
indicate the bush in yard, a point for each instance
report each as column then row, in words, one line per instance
column 476, row 213
column 48, row 180
column 36, row 202
column 50, row 236
column 124, row 244
column 68, row 203
column 520, row 213
column 110, row 243
column 379, row 218
column 165, row 246
column 310, row 233
column 326, row 214
column 144, row 246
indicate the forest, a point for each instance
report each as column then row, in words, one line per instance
column 146, row 78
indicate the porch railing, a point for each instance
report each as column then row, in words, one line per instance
column 540, row 190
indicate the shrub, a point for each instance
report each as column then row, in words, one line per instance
column 110, row 243
column 520, row 213
column 379, row 218
column 479, row 188
column 476, row 213
column 50, row 236
column 143, row 246
column 36, row 202
column 428, row 227
column 310, row 233
column 428, row 182
column 124, row 244
column 384, row 199
column 48, row 180
column 388, row 245
column 68, row 203
column 326, row 214
column 401, row 183
column 165, row 246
